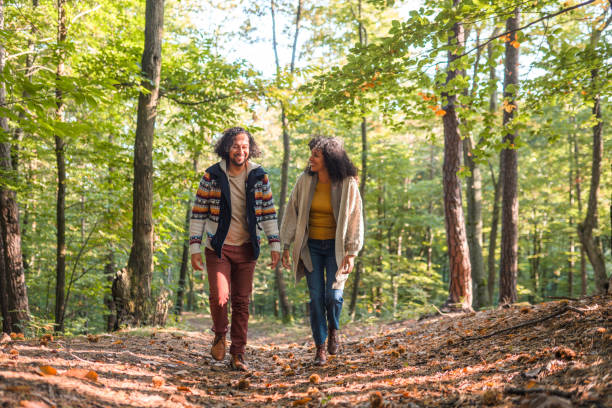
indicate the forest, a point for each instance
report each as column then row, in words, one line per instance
column 478, row 127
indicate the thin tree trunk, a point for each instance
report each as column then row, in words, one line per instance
column 493, row 235
column 140, row 263
column 578, row 183
column 60, row 146
column 362, row 191
column 362, row 185
column 509, row 173
column 474, row 206
column 14, row 303
column 285, row 306
column 496, row 184
column 109, row 268
column 572, row 248
column 180, row 293
column 460, row 288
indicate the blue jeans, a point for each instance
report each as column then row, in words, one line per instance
column 325, row 302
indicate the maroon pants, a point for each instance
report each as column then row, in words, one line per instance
column 231, row 277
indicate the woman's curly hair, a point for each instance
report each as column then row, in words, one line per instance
column 338, row 164
column 224, row 144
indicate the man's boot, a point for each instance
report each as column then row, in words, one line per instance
column 218, row 347
column 332, row 341
column 320, row 357
column 237, row 362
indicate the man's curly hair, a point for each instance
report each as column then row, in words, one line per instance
column 224, row 144
column 338, row 164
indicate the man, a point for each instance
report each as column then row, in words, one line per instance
column 233, row 203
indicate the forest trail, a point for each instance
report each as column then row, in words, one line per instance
column 554, row 353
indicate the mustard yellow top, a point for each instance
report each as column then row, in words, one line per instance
column 321, row 222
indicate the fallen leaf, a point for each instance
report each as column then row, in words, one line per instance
column 530, row 384
column 92, row 375
column 48, row 370
column 315, row 379
column 183, row 388
column 158, row 381
column 33, row 404
column 302, row 401
column 19, row 388
column 244, row 384
column 13, row 352
column 118, row 342
column 93, row 339
column 376, row 399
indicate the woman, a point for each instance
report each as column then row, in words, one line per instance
column 324, row 221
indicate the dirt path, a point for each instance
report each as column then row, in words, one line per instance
column 451, row 361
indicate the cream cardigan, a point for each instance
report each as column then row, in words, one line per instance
column 348, row 212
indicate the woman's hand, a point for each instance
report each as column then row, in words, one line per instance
column 286, row 259
column 347, row 264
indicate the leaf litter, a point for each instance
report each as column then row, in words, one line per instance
column 550, row 354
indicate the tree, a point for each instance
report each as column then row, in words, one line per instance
column 13, row 292
column 140, row 263
column 460, row 288
column 280, row 281
column 591, row 243
column 60, row 146
column 509, row 169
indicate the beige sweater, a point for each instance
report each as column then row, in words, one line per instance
column 348, row 212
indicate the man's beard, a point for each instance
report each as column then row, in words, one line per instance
column 238, row 164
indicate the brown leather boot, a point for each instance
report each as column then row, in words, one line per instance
column 332, row 342
column 218, row 347
column 320, row 357
column 237, row 362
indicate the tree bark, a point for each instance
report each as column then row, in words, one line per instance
column 180, row 293
column 578, row 184
column 13, row 291
column 460, row 288
column 283, row 299
column 509, row 173
column 493, row 236
column 362, row 184
column 496, row 184
column 592, row 243
column 140, row 263
column 362, row 191
column 60, row 146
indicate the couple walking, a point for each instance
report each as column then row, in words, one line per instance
column 323, row 222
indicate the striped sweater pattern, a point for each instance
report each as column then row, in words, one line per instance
column 206, row 211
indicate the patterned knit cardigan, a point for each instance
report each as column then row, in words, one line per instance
column 211, row 213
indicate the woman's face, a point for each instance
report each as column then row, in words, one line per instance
column 316, row 161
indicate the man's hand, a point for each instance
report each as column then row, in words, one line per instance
column 275, row 255
column 286, row 259
column 196, row 262
column 348, row 263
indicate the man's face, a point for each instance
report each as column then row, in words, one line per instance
column 239, row 152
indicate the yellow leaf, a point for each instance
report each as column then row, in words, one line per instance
column 515, row 44
column 118, row 342
column 92, row 375
column 440, row 112
column 183, row 388
column 347, row 94
column 530, row 384
column 48, row 370
column 157, row 381
column 302, row 401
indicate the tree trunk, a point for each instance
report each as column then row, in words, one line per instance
column 429, row 230
column 509, row 173
column 493, row 236
column 180, row 293
column 13, row 291
column 578, row 184
column 60, row 146
column 592, row 243
column 285, row 306
column 140, row 263
column 362, row 191
column 496, row 184
column 572, row 247
column 362, row 184
column 460, row 288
